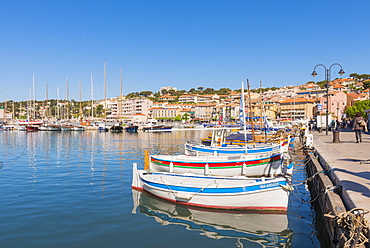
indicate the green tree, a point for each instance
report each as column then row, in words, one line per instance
column 146, row 93
column 358, row 107
column 366, row 84
column 185, row 117
column 99, row 110
column 133, row 95
column 209, row 91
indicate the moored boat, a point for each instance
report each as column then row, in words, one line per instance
column 32, row 128
column 248, row 165
column 53, row 128
column 43, row 128
column 215, row 192
column 102, row 129
column 21, row 128
column 66, row 128
column 195, row 149
column 78, row 128
column 116, row 129
column 131, row 128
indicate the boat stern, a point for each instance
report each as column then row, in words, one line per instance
column 136, row 182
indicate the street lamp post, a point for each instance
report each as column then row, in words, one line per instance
column 327, row 79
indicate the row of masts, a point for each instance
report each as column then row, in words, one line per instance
column 63, row 113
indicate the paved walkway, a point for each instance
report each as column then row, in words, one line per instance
column 350, row 163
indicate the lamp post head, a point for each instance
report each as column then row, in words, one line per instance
column 341, row 72
column 314, row 73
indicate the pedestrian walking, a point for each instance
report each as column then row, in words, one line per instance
column 358, row 125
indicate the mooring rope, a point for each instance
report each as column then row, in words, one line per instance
column 354, row 225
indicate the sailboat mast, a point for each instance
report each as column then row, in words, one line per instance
column 80, row 101
column 120, row 97
column 67, row 99
column 92, row 96
column 261, row 106
column 34, row 96
column 105, row 93
column 58, row 103
column 47, row 100
column 251, row 111
column 243, row 116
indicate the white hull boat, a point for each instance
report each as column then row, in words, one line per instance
column 78, row 128
column 194, row 149
column 215, row 192
column 247, row 165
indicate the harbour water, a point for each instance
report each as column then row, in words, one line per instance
column 73, row 189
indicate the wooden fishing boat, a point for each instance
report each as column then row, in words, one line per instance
column 194, row 149
column 237, row 192
column 248, row 165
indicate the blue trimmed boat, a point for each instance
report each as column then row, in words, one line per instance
column 225, row 165
column 237, row 192
column 194, row 149
column 131, row 128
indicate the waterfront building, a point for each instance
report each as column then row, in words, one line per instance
column 297, row 108
column 163, row 113
column 129, row 108
column 203, row 111
column 336, row 106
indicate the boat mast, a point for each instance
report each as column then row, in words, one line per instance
column 262, row 112
column 58, row 103
column 242, row 116
column 34, row 96
column 120, row 98
column 47, row 100
column 261, row 106
column 105, row 93
column 92, row 96
column 80, row 100
column 67, row 99
column 28, row 104
column 13, row 112
column 250, row 110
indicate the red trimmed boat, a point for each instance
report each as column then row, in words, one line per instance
column 247, row 165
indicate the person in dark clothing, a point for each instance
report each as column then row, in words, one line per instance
column 357, row 126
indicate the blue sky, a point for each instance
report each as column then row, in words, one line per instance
column 185, row 44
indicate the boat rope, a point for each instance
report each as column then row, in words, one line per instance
column 193, row 194
column 202, row 190
column 298, row 195
column 355, row 226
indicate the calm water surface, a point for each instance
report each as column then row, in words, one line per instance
column 73, row 189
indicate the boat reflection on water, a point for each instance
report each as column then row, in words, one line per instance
column 266, row 229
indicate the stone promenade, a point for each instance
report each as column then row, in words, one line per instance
column 350, row 165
